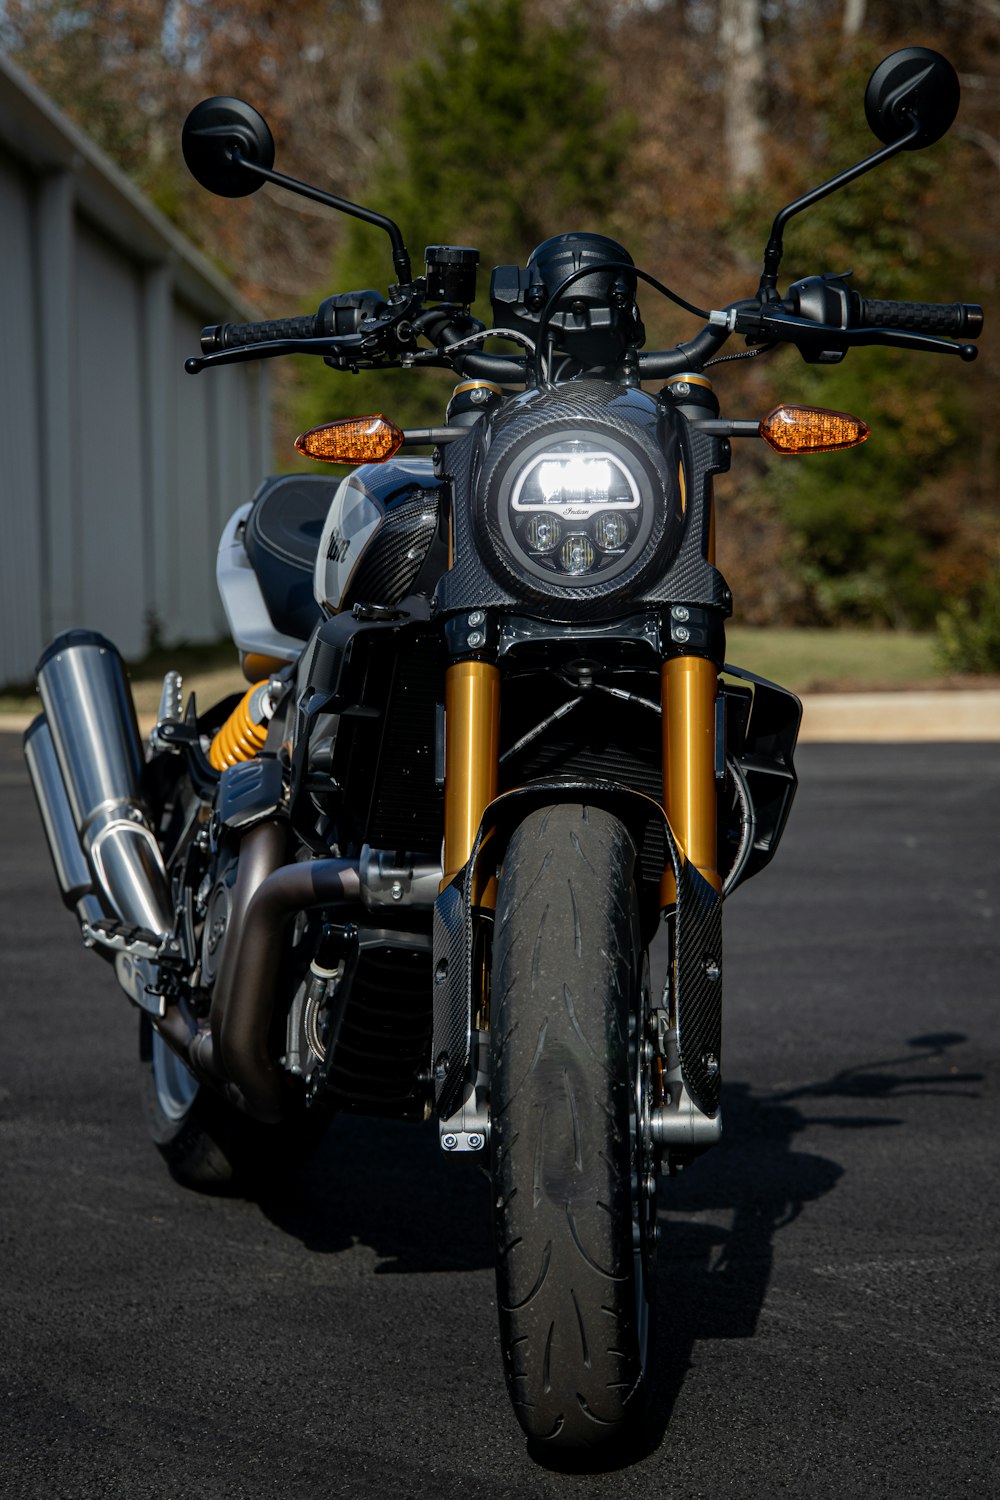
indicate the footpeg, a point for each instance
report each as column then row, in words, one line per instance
column 120, row 937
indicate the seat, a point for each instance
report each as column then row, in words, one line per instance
column 282, row 538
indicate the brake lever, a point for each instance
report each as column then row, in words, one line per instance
column 766, row 322
column 900, row 338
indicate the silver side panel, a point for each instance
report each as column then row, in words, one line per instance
column 249, row 622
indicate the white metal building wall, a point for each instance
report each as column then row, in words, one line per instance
column 21, row 539
column 117, row 469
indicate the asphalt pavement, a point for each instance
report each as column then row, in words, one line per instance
column 828, row 1276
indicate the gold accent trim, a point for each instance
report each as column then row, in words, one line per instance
column 477, row 385
column 691, row 379
column 689, row 687
column 472, row 753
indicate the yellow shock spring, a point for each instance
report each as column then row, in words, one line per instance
column 243, row 734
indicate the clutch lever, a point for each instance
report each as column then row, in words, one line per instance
column 343, row 344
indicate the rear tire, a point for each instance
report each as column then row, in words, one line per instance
column 573, row 1191
column 208, row 1144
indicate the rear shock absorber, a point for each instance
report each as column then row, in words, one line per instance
column 243, row 734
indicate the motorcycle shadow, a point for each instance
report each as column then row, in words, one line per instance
column 713, row 1281
column 388, row 1186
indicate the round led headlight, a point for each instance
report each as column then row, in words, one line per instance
column 575, row 509
column 576, row 495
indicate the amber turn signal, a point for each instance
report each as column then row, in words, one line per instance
column 811, row 429
column 354, row 440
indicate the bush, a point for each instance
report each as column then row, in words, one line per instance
column 968, row 632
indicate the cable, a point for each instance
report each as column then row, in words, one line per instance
column 725, row 359
column 490, row 333
column 612, row 265
column 748, row 826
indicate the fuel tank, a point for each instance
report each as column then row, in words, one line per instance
column 378, row 530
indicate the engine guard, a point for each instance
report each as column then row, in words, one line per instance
column 697, row 942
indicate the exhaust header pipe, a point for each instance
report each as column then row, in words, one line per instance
column 85, row 759
column 88, row 778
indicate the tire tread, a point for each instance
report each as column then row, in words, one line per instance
column 564, row 961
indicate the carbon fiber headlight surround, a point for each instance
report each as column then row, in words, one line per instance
column 578, row 497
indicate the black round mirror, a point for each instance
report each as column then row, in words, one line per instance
column 213, row 131
column 912, row 84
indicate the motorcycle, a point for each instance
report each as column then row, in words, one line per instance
column 491, row 749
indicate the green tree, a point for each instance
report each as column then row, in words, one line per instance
column 105, row 64
column 128, row 71
column 504, row 136
column 878, row 533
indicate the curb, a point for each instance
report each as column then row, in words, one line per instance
column 838, row 718
column 901, row 718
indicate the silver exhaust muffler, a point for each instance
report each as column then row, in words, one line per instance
column 87, row 777
column 76, row 884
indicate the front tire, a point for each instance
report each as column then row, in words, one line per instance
column 574, row 1207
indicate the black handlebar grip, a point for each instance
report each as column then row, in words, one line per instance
column 952, row 319
column 235, row 335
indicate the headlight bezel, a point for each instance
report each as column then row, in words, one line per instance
column 635, row 447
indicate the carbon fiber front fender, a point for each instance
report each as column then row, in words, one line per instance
column 698, row 940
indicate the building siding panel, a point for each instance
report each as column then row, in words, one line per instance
column 119, row 469
column 107, row 522
column 21, row 582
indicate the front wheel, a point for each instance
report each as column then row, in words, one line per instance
column 572, row 1168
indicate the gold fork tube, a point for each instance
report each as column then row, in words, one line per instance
column 689, row 686
column 472, row 756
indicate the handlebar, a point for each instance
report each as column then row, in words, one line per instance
column 237, row 335
column 950, row 319
column 336, row 317
column 821, row 315
column 824, row 318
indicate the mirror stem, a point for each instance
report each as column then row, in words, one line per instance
column 400, row 255
column 773, row 252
